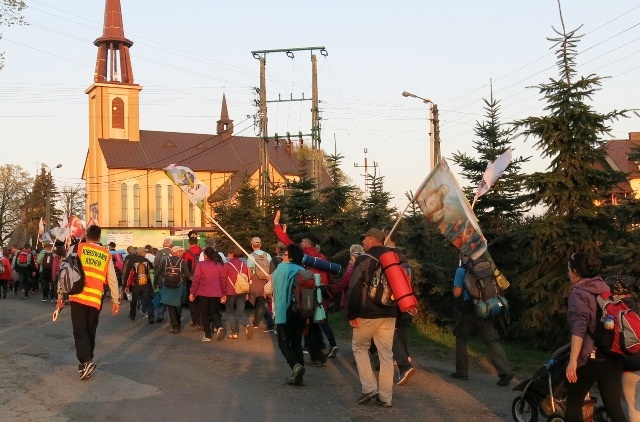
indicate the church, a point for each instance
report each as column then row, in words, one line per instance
column 127, row 189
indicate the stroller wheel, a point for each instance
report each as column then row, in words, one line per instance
column 555, row 418
column 524, row 409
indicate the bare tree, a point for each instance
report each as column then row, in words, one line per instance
column 15, row 185
column 72, row 200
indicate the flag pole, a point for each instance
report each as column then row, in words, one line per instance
column 397, row 221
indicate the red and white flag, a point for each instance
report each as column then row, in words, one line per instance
column 41, row 226
column 492, row 173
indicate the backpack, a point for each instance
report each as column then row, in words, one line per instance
column 47, row 261
column 2, row 267
column 241, row 284
column 617, row 327
column 24, row 259
column 304, row 294
column 378, row 289
column 141, row 273
column 480, row 280
column 261, row 262
column 172, row 277
column 71, row 275
column 117, row 261
column 196, row 259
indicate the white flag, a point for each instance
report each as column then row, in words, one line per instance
column 492, row 173
column 185, row 178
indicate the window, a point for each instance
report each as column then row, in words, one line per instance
column 123, row 204
column 170, row 204
column 136, row 205
column 158, row 206
column 117, row 113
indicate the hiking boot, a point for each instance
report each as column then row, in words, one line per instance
column 364, row 398
column 298, row 372
column 385, row 404
column 87, row 370
column 220, row 334
column 333, row 352
column 405, row 377
column 505, row 379
column 249, row 331
column 458, row 376
column 291, row 379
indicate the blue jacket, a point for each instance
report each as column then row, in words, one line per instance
column 282, row 280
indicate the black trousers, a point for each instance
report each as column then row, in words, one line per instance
column 290, row 340
column 46, row 282
column 4, row 286
column 143, row 293
column 193, row 307
column 84, row 320
column 209, row 309
column 261, row 310
column 175, row 316
column 607, row 372
column 315, row 342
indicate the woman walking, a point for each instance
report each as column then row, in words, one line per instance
column 209, row 290
column 288, row 325
column 587, row 364
column 236, row 301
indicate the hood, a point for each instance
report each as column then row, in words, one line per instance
column 594, row 285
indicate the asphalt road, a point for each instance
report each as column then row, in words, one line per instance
column 145, row 373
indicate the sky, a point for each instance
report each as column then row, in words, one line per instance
column 187, row 54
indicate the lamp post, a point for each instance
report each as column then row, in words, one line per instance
column 434, row 129
column 48, row 203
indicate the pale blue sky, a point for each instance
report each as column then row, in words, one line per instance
column 186, row 54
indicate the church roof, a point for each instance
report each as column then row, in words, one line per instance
column 617, row 158
column 200, row 152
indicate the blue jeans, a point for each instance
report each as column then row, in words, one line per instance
column 235, row 312
column 23, row 282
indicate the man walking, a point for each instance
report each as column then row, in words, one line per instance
column 467, row 324
column 85, row 306
column 371, row 320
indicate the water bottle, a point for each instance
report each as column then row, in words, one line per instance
column 609, row 324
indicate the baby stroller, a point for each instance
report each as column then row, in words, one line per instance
column 545, row 392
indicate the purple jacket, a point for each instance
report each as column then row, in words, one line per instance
column 208, row 280
column 229, row 273
column 581, row 312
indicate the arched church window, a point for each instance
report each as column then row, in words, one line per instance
column 123, row 204
column 117, row 113
column 136, row 205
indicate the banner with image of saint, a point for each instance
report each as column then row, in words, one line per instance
column 447, row 209
column 185, row 178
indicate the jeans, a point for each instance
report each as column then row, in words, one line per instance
column 381, row 331
column 142, row 293
column 290, row 340
column 326, row 329
column 84, row 320
column 24, row 281
column 235, row 312
column 261, row 310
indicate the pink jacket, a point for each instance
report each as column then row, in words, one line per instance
column 208, row 280
column 229, row 273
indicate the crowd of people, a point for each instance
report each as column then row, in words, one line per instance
column 209, row 282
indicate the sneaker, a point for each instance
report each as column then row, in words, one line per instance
column 316, row 363
column 232, row 336
column 174, row 331
column 405, row 377
column 205, row 339
column 291, row 379
column 44, row 299
column 249, row 332
column 364, row 398
column 268, row 330
column 324, row 357
column 333, row 352
column 87, row 370
column 219, row 334
column 457, row 376
column 298, row 372
column 505, row 379
column 52, row 300
column 385, row 404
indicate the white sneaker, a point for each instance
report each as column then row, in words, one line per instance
column 205, row 339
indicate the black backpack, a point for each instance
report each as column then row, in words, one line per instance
column 480, row 280
column 172, row 277
column 47, row 261
column 304, row 294
column 378, row 289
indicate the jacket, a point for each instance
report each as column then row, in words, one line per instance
column 359, row 304
column 98, row 271
column 282, row 281
column 581, row 312
column 6, row 275
column 208, row 281
column 229, row 273
column 308, row 250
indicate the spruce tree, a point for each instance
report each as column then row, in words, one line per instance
column 377, row 212
column 568, row 135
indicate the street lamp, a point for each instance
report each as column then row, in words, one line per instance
column 48, row 203
column 434, row 129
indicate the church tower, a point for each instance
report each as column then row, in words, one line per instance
column 225, row 125
column 114, row 102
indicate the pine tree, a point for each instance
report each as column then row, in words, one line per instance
column 377, row 212
column 505, row 203
column 569, row 136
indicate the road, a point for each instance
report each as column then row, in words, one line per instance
column 145, row 373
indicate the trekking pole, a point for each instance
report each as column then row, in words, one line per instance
column 233, row 240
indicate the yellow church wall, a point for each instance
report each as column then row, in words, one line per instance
column 635, row 185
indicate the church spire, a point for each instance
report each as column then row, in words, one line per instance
column 111, row 67
column 225, row 125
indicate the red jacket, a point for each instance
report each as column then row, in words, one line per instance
column 309, row 250
column 6, row 275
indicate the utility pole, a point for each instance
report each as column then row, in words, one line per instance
column 366, row 170
column 316, row 158
column 434, row 129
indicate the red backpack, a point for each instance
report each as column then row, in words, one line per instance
column 617, row 327
column 304, row 294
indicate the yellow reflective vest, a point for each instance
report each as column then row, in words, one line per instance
column 95, row 264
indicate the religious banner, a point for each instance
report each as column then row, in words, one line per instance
column 446, row 208
column 492, row 173
column 186, row 180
